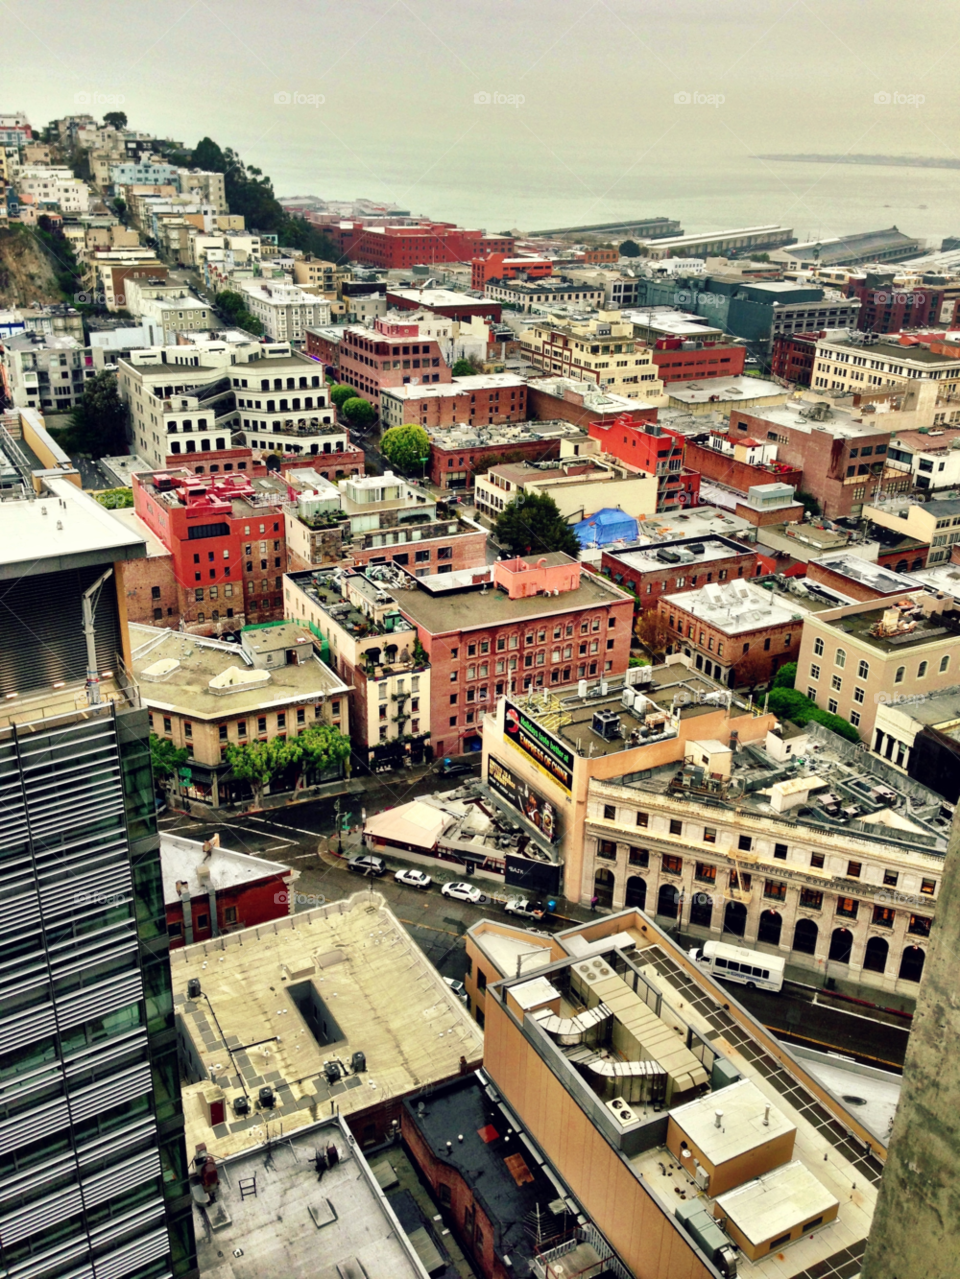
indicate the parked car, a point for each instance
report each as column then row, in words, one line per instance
column 525, row 908
column 367, row 864
column 458, row 989
column 413, row 878
column 454, row 767
column 463, row 893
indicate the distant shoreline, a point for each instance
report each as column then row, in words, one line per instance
column 898, row 161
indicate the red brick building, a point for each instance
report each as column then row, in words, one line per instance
column 655, row 450
column 229, row 552
column 456, row 457
column 497, row 266
column 454, row 306
column 323, row 346
column 389, row 354
column 730, row 465
column 476, row 400
column 859, row 579
column 209, row 891
column 563, row 399
column 889, row 308
column 664, row 568
column 679, row 361
column 399, row 247
column 736, row 632
column 793, row 356
column 520, row 624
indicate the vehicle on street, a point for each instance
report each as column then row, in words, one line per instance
column 458, row 989
column 367, row 864
column 454, row 767
column 737, row 963
column 413, row 878
column 463, row 892
column 525, row 908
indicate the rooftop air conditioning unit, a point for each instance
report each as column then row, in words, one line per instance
column 606, row 724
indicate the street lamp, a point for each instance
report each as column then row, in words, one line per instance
column 423, row 463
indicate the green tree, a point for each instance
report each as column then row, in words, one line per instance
column 404, row 446
column 116, row 119
column 120, row 208
column 261, row 763
column 115, row 499
column 340, row 393
column 630, row 249
column 167, row 759
column 789, row 703
column 234, row 306
column 358, row 412
column 322, row 747
column 786, row 676
column 462, row 368
column 97, row 426
column 532, row 525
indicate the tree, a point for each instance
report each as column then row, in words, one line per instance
column 630, row 249
column 358, row 412
column 234, row 306
column 167, row 759
column 653, row 631
column 462, row 368
column 789, row 703
column 322, row 747
column 115, row 119
column 404, row 446
column 97, row 426
column 340, row 393
column 786, row 676
column 120, row 208
column 532, row 525
column 260, row 763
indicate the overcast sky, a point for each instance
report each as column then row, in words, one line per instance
column 383, row 91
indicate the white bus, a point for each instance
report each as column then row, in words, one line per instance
column 736, row 963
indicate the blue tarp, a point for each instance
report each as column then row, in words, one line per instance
column 606, row 526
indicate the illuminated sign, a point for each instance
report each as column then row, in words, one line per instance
column 538, row 811
column 550, row 755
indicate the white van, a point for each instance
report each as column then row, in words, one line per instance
column 737, row 963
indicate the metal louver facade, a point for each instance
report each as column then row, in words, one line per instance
column 92, row 1161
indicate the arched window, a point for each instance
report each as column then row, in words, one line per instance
column 921, row 670
column 841, row 944
column 701, row 910
column 900, row 672
column 944, row 662
column 636, row 892
column 735, row 918
column 841, row 657
column 668, row 901
column 603, row 884
column 863, row 670
column 805, row 936
column 911, row 964
column 769, row 928
column 875, row 959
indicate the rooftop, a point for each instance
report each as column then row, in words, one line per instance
column 892, row 351
column 300, row 1224
column 181, row 858
column 736, row 608
column 449, row 439
column 459, row 386
column 802, row 415
column 875, row 576
column 176, row 672
column 283, row 1003
column 706, row 550
column 723, row 389
column 893, row 627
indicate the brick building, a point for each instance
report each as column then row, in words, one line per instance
column 655, row 450
column 720, row 625
column 679, row 361
column 323, row 345
column 459, row 453
column 476, row 400
column 859, row 579
column 888, row 307
column 497, row 266
column 739, row 462
column 209, row 890
column 521, row 624
column 226, row 538
column 794, row 355
column 402, row 247
column 581, row 403
column 446, row 302
column 389, row 354
column 656, row 570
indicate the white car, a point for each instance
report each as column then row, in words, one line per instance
column 463, row 893
column 413, row 878
column 458, row 989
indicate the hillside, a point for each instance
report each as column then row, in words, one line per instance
column 26, row 275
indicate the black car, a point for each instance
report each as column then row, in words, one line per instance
column 454, row 767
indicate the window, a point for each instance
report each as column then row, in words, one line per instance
column 814, row 671
column 261, row 724
column 187, row 729
column 816, row 861
column 944, row 663
column 241, row 728
column 847, row 907
column 811, row 898
column 745, row 843
column 672, row 865
column 643, row 819
column 928, row 887
column 166, row 724
column 920, row 925
column 705, row 872
column 898, row 677
column 607, row 849
column 921, row 670
column 780, row 852
column 639, row 856
column 836, row 683
column 609, row 812
column 709, row 834
column 818, row 647
column 841, row 658
column 863, row 670
column 773, row 890
column 859, row 694
column 676, row 826
column 890, row 878
column 832, row 705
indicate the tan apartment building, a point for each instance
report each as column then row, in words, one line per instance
column 579, row 486
column 204, row 695
column 855, row 658
column 863, row 365
column 936, row 523
column 317, row 276
column 693, row 1138
column 602, row 350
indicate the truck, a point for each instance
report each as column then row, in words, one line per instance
column 525, row 908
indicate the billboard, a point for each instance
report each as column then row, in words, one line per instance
column 538, row 811
column 551, row 756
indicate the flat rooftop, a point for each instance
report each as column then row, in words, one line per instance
column 357, row 972
column 299, row 1225
column 735, row 608
column 741, row 1126
column 180, row 859
column 723, row 390
column 185, row 686
column 875, row 576
column 915, row 353
column 61, row 528
column 945, row 626
column 645, row 560
column 459, row 386
column 449, row 439
column 801, row 415
column 475, row 607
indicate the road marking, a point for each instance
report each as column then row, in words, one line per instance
column 281, row 826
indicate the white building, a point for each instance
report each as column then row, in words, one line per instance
column 285, row 310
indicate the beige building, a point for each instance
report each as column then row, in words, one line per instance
column 205, row 695
column 317, row 276
column 207, row 187
column 844, row 365
column 285, row 310
column 579, row 486
column 855, row 657
column 602, row 350
column 937, row 523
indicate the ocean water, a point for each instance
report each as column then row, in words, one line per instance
column 535, row 188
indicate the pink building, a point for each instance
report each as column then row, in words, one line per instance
column 389, row 354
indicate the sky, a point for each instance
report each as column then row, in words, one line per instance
column 526, row 111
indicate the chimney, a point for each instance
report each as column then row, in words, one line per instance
column 717, row 1117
